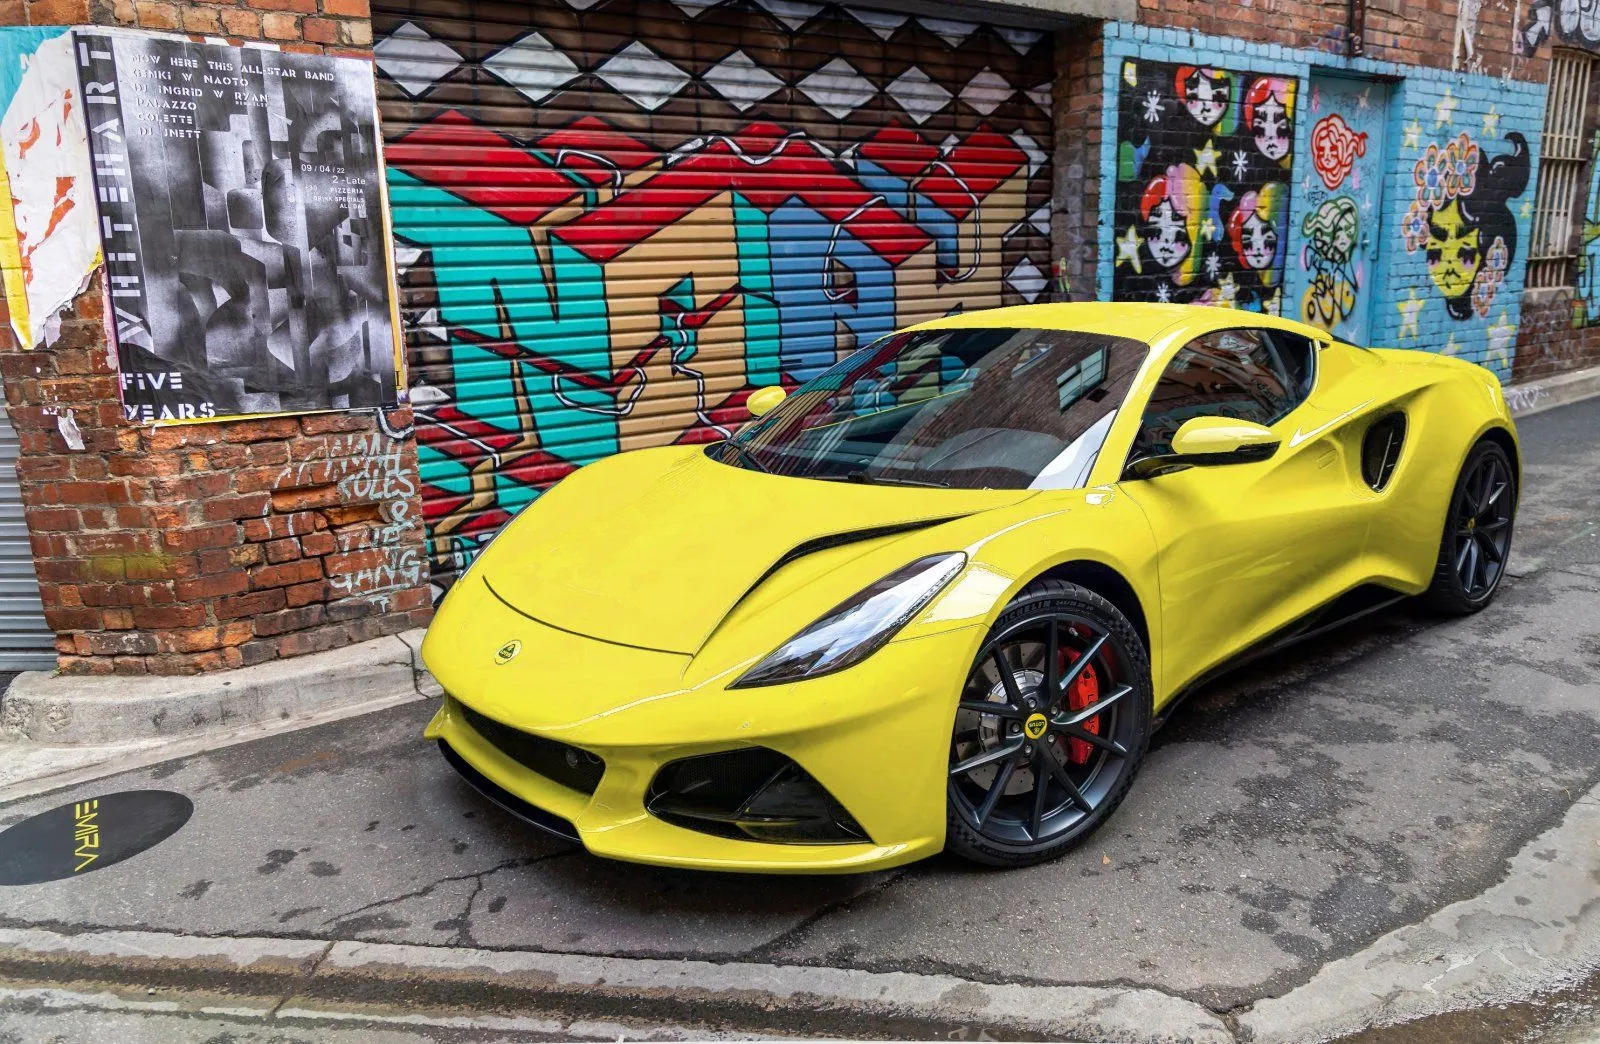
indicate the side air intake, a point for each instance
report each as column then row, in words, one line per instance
column 1380, row 450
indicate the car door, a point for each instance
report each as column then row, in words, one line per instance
column 1243, row 548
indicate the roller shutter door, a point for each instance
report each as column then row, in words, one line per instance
column 26, row 644
column 616, row 218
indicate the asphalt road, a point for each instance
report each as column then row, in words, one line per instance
column 1286, row 816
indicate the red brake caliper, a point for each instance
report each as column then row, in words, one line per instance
column 1083, row 692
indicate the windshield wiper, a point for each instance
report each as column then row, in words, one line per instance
column 747, row 456
column 866, row 479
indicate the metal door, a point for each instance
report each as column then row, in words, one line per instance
column 616, row 218
column 26, row 643
column 1340, row 205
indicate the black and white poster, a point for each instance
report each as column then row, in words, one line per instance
column 241, row 212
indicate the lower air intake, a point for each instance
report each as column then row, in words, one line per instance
column 754, row 794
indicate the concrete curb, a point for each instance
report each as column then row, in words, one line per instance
column 754, row 997
column 1532, row 397
column 72, row 711
column 1536, row 931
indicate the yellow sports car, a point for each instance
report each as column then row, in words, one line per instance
column 939, row 596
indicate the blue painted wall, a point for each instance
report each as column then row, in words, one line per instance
column 1428, row 108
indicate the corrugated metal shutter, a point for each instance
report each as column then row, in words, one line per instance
column 26, row 644
column 616, row 218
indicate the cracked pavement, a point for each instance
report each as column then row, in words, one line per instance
column 1288, row 815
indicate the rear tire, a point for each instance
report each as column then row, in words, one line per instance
column 1044, row 751
column 1477, row 533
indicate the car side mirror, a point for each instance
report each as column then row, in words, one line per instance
column 764, row 400
column 1209, row 441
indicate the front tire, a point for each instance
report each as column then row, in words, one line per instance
column 1051, row 729
column 1477, row 533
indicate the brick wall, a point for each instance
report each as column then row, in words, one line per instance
column 1421, row 32
column 1076, row 102
column 1548, row 343
column 181, row 549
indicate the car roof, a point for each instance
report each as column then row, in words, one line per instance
column 1137, row 320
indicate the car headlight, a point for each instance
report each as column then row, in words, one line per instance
column 858, row 627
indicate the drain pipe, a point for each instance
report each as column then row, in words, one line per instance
column 1356, row 28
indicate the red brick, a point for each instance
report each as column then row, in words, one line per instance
column 288, row 620
column 253, row 604
column 187, row 663
column 355, row 561
column 356, row 34
column 320, row 30
column 279, row 551
column 252, row 505
column 202, row 20
column 58, row 12
column 287, row 574
column 348, row 8
column 306, row 499
column 123, row 643
column 255, row 430
column 54, row 520
column 318, row 544
column 241, row 23
column 85, row 664
column 166, row 616
column 220, row 535
column 305, row 594
column 346, row 514
column 117, row 619
column 212, row 586
column 81, row 619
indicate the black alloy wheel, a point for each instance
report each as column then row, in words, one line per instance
column 1051, row 727
column 1477, row 536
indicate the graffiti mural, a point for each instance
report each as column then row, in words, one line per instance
column 615, row 220
column 1574, row 23
column 1586, row 303
column 1202, row 202
column 1461, row 219
column 1338, row 206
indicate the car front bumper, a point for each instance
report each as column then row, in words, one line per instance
column 875, row 736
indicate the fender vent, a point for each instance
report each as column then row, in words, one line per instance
column 1380, row 450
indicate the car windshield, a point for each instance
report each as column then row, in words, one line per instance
column 968, row 408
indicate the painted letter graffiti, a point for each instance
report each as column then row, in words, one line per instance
column 1331, row 233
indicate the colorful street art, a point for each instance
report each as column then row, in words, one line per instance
column 1586, row 302
column 1202, row 202
column 1338, row 207
column 614, row 223
column 1461, row 219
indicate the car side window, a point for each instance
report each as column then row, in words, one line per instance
column 1254, row 375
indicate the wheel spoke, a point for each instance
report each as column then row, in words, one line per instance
column 1041, row 783
column 988, row 757
column 999, row 710
column 1081, row 662
column 1486, row 479
column 1098, row 707
column 1059, row 771
column 1499, row 491
column 1473, row 556
column 1494, row 527
column 1461, row 556
column 997, row 790
column 1094, row 739
column 1489, row 549
column 1007, row 679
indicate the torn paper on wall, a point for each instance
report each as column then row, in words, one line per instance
column 49, row 243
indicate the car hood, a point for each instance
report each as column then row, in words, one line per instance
column 653, row 548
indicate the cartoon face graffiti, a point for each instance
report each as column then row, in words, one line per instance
column 1253, row 228
column 1269, row 112
column 1453, row 251
column 1462, row 221
column 1206, row 93
column 1171, row 208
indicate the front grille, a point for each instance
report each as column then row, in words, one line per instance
column 570, row 766
column 531, row 814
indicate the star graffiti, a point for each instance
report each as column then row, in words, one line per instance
column 1213, row 265
column 1163, row 294
column 1413, row 135
column 1241, row 164
column 1364, row 101
column 1206, row 159
column 1443, row 112
column 1451, row 346
column 1366, row 204
column 1410, row 315
column 1491, row 122
column 1128, row 249
column 1227, row 290
column 1501, row 336
column 1152, row 107
column 1526, row 210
